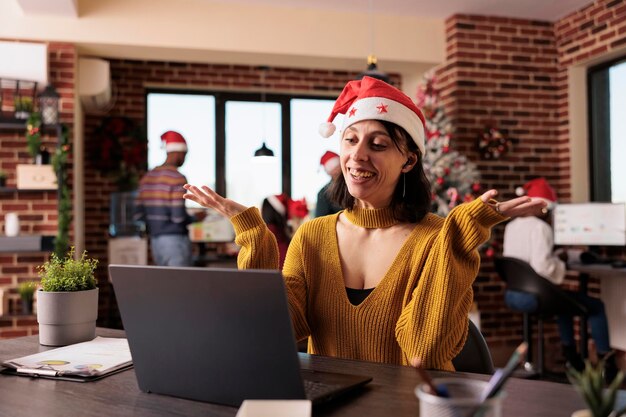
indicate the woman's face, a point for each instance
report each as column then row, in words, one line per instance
column 371, row 163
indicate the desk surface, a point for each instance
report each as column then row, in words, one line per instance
column 598, row 270
column 389, row 394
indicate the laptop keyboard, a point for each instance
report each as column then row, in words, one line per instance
column 316, row 389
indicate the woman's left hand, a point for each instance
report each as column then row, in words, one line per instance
column 520, row 206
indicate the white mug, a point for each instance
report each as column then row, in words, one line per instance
column 11, row 224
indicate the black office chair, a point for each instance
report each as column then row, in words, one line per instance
column 475, row 356
column 552, row 301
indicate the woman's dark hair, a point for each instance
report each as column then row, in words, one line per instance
column 271, row 216
column 416, row 202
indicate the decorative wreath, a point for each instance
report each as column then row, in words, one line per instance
column 119, row 150
column 492, row 144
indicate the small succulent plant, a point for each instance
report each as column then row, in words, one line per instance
column 590, row 384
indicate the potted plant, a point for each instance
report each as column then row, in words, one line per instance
column 27, row 293
column 589, row 383
column 23, row 107
column 67, row 303
column 3, row 178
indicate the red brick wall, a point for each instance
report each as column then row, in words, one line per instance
column 596, row 30
column 37, row 210
column 500, row 72
column 513, row 73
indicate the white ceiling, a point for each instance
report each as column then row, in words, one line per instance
column 548, row 10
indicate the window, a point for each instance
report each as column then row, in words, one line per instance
column 248, row 125
column 607, row 104
column 223, row 130
column 193, row 116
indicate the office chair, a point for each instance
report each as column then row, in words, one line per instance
column 475, row 356
column 552, row 301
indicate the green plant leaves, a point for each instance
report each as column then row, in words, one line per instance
column 68, row 274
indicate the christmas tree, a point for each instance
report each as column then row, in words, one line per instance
column 454, row 179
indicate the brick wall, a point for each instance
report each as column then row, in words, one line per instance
column 37, row 210
column 512, row 73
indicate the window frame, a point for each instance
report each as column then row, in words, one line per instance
column 221, row 97
column 599, row 129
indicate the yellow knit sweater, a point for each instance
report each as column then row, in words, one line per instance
column 419, row 308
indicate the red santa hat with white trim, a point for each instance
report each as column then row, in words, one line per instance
column 279, row 203
column 540, row 189
column 373, row 99
column 173, row 142
column 330, row 161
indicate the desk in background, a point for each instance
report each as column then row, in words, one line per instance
column 613, row 293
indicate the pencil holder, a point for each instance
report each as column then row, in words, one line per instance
column 463, row 400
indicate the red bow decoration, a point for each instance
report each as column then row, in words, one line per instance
column 297, row 208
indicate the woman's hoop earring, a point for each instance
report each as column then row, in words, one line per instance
column 403, row 185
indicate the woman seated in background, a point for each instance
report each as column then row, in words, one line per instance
column 384, row 279
column 283, row 216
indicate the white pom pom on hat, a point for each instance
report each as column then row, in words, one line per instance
column 373, row 99
column 520, row 191
column 327, row 129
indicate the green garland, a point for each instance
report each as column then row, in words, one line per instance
column 59, row 160
column 33, row 133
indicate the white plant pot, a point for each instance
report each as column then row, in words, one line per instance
column 67, row 317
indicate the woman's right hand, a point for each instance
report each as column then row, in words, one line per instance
column 208, row 198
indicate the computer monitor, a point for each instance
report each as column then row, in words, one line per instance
column 593, row 224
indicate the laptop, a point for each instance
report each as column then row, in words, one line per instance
column 216, row 335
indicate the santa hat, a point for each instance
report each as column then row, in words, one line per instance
column 330, row 161
column 173, row 142
column 538, row 188
column 372, row 99
column 279, row 203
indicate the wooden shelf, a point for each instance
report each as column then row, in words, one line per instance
column 8, row 190
column 26, row 243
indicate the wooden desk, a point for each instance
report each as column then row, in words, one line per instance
column 613, row 293
column 389, row 394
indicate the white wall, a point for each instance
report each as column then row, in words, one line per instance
column 207, row 31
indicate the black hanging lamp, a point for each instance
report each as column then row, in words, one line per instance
column 372, row 68
column 263, row 151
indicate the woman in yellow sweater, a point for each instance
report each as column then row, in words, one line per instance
column 384, row 279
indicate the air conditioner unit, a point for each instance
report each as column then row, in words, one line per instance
column 94, row 84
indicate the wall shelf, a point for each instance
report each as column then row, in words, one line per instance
column 26, row 243
column 8, row 190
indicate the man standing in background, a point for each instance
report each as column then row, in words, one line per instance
column 161, row 206
column 330, row 162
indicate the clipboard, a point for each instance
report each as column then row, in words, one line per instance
column 81, row 362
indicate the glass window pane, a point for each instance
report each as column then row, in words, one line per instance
column 248, row 124
column 307, row 147
column 193, row 116
column 617, row 82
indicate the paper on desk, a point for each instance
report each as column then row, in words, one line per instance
column 275, row 408
column 96, row 357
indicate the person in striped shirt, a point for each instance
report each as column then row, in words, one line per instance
column 161, row 206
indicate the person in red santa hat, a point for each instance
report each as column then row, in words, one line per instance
column 330, row 162
column 160, row 205
column 530, row 239
column 384, row 279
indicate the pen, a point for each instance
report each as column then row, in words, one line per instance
column 501, row 375
column 439, row 390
